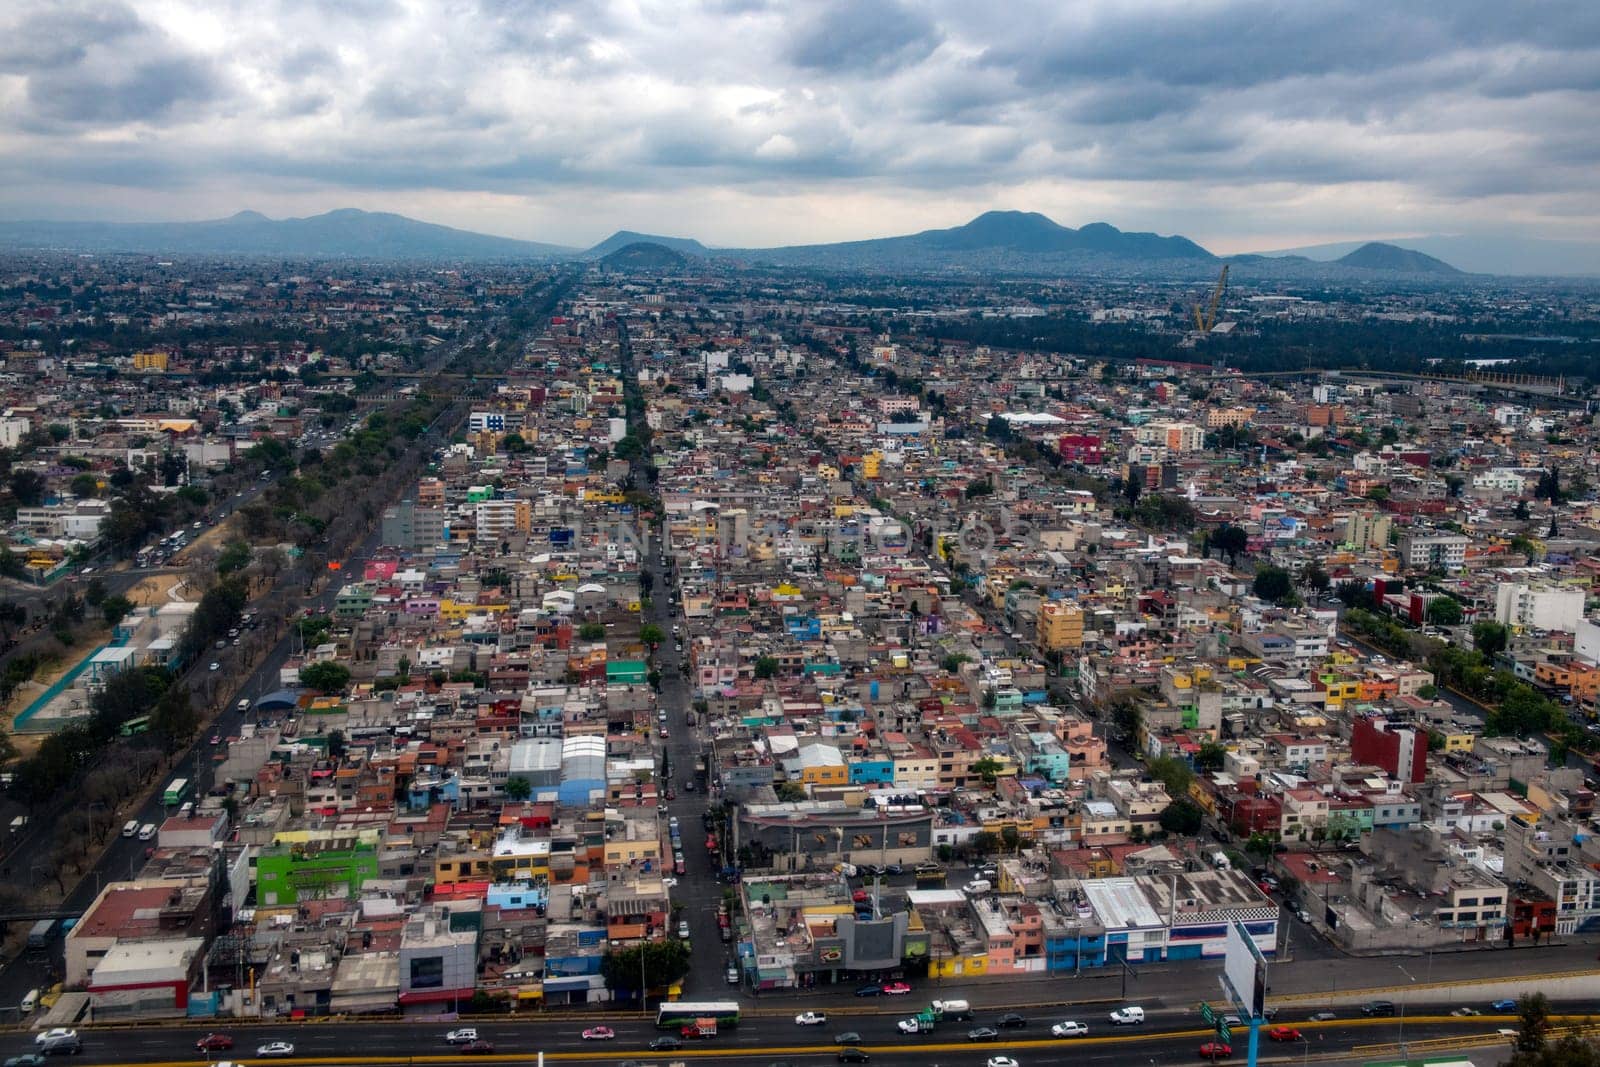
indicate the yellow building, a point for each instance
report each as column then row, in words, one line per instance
column 871, row 463
column 150, row 361
column 1060, row 626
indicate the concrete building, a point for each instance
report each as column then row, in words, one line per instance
column 1526, row 606
column 439, row 956
column 1434, row 551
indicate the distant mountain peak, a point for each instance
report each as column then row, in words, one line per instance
column 623, row 238
column 247, row 216
column 1378, row 255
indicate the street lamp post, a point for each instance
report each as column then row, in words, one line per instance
column 1402, row 1038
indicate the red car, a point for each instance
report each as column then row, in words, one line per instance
column 1283, row 1033
column 478, row 1048
column 214, row 1043
column 860, row 896
column 896, row 989
column 1215, row 1050
column 599, row 1033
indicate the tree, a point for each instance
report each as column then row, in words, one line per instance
column 766, row 667
column 1182, row 816
column 235, row 557
column 984, row 843
column 951, row 664
column 1230, row 540
column 1210, row 757
column 1489, row 638
column 1533, row 1011
column 651, row 634
column 325, row 677
column 518, row 788
column 174, row 718
column 1273, row 584
column 987, row 768
column 115, row 608
column 1172, row 773
column 85, row 486
column 1444, row 611
column 657, row 964
column 28, row 487
column 1316, row 578
column 592, row 631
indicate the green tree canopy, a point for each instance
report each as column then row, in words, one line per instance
column 518, row 788
column 658, row 964
column 325, row 677
column 1444, row 611
column 1273, row 584
column 1182, row 816
column 766, row 667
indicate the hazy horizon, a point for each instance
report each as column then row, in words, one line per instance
column 1241, row 126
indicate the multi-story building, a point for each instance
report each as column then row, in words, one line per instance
column 1528, row 606
column 1060, row 625
column 1434, row 551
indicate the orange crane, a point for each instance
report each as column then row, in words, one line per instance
column 1206, row 317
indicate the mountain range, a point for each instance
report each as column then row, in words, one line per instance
column 1503, row 255
column 1002, row 241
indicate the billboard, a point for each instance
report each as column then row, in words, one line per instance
column 1245, row 968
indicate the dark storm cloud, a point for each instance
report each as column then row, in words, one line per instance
column 874, row 37
column 142, row 91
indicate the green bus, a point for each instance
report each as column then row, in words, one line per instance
column 683, row 1012
column 135, row 726
column 177, row 792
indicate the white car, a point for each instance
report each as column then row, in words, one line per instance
column 811, row 1018
column 275, row 1050
column 1002, row 1061
column 214, row 666
column 59, row 1033
column 1069, row 1029
column 1127, row 1017
column 464, row 1036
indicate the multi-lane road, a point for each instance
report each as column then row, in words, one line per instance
column 1169, row 1037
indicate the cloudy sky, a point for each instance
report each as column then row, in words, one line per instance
column 743, row 122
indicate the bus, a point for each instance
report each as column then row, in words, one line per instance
column 135, row 726
column 678, row 1013
column 177, row 792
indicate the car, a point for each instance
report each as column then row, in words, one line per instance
column 896, row 989
column 478, row 1048
column 1322, row 1016
column 214, row 666
column 666, row 1044
column 1215, row 1050
column 1069, row 1029
column 1283, row 1033
column 849, row 1037
column 147, row 831
column 853, row 1055
column 275, row 1050
column 1129, row 1016
column 215, row 740
column 733, row 976
column 1379, row 1007
column 877, row 870
column 811, row 1018
column 58, row 1033
column 683, row 930
column 1001, row 1061
column 27, row 1059
column 1504, row 1004
column 894, row 868
column 860, row 896
column 464, row 1036
column 1011, row 1020
column 1463, row 1013
column 214, row 1043
column 599, row 1033
column 983, row 1033
column 909, row 1026
column 872, row 990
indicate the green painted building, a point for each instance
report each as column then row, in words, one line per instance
column 288, row 874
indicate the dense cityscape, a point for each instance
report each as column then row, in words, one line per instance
column 525, row 651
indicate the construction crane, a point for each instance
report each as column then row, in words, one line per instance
column 1206, row 317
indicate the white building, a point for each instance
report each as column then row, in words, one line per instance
column 1538, row 607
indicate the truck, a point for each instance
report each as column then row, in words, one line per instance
column 951, row 1009
column 930, row 874
column 921, row 1023
column 40, row 933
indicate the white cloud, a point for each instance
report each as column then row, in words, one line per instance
column 744, row 123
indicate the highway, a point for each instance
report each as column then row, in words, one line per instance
column 1172, row 1036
